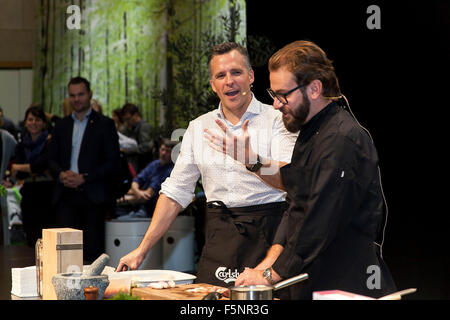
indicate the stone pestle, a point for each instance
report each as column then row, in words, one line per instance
column 96, row 268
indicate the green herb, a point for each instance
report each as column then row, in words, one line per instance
column 123, row 296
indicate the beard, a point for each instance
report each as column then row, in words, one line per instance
column 297, row 117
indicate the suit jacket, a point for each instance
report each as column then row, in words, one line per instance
column 99, row 158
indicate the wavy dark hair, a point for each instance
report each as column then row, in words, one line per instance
column 308, row 62
column 37, row 111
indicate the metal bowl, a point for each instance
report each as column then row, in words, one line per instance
column 254, row 292
column 263, row 292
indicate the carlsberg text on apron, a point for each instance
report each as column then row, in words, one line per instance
column 236, row 238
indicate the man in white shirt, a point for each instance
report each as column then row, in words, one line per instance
column 245, row 198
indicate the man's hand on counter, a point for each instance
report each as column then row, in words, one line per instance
column 254, row 277
column 131, row 261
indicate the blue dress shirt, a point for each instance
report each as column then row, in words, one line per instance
column 79, row 126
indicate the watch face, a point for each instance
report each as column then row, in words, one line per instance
column 256, row 166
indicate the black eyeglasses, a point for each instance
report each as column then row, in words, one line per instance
column 282, row 97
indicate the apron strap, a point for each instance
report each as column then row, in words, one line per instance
column 265, row 209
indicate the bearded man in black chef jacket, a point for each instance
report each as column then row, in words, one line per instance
column 334, row 226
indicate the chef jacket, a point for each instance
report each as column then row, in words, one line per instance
column 334, row 224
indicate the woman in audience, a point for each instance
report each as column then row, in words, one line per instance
column 30, row 168
column 117, row 117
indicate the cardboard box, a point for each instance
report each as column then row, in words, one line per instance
column 62, row 253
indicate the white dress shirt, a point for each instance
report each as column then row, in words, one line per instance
column 223, row 178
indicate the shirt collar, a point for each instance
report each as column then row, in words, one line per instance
column 86, row 116
column 253, row 108
column 314, row 123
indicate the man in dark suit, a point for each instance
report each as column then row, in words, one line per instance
column 85, row 161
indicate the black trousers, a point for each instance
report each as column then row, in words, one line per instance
column 75, row 210
column 37, row 211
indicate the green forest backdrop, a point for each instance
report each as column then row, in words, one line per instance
column 148, row 52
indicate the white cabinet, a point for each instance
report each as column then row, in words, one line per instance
column 174, row 251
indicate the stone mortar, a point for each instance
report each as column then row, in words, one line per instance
column 70, row 286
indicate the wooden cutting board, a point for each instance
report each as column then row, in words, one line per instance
column 177, row 293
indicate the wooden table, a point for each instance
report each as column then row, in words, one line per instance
column 180, row 292
column 19, row 256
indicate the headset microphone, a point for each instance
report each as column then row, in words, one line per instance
column 244, row 93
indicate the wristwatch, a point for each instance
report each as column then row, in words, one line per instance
column 267, row 274
column 256, row 166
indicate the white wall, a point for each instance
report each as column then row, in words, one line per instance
column 16, row 90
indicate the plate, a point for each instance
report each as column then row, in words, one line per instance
column 142, row 278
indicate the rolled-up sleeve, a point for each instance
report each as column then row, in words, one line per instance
column 180, row 185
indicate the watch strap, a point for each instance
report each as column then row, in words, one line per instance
column 255, row 167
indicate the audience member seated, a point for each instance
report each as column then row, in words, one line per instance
column 124, row 142
column 30, row 169
column 51, row 121
column 95, row 104
column 7, row 149
column 8, row 124
column 140, row 130
column 66, row 107
column 144, row 191
column 117, row 117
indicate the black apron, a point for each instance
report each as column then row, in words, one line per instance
column 236, row 238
